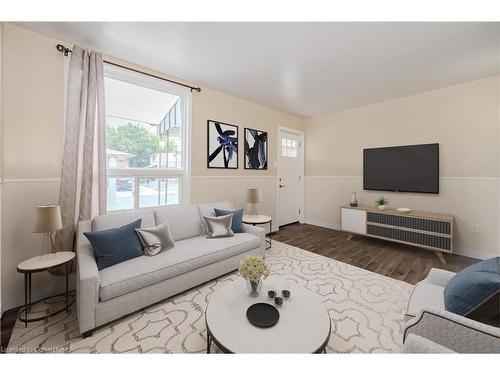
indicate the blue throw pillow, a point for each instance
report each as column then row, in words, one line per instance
column 113, row 246
column 472, row 286
column 237, row 225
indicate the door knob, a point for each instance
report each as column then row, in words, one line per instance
column 282, row 186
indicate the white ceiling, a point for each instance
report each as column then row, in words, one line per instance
column 307, row 69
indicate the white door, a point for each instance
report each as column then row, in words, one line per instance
column 290, row 154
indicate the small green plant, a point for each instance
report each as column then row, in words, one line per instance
column 381, row 201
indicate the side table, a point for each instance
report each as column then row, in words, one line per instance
column 40, row 264
column 260, row 219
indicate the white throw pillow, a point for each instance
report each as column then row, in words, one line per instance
column 219, row 226
column 155, row 239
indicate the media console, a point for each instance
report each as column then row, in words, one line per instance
column 432, row 231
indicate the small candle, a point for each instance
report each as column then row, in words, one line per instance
column 278, row 301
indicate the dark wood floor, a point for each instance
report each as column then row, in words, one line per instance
column 398, row 261
column 7, row 325
column 391, row 259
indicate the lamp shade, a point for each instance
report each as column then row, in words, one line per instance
column 47, row 219
column 254, row 195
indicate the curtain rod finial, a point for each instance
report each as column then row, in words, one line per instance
column 63, row 49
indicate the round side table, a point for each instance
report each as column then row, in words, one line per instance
column 260, row 219
column 40, row 264
column 304, row 325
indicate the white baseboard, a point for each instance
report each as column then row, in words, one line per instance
column 322, row 224
column 464, row 252
column 475, row 253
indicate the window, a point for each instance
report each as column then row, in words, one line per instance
column 146, row 141
column 288, row 148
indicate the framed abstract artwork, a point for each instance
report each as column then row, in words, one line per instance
column 222, row 145
column 256, row 142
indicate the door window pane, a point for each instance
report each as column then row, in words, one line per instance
column 120, row 193
column 288, row 148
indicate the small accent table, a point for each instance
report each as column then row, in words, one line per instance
column 260, row 219
column 40, row 264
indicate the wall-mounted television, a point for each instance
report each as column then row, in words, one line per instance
column 412, row 168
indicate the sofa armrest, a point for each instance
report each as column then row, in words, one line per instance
column 439, row 277
column 455, row 332
column 419, row 344
column 256, row 231
column 88, row 280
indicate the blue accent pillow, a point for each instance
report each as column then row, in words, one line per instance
column 113, row 246
column 472, row 286
column 237, row 225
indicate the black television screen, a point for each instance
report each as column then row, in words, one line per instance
column 402, row 168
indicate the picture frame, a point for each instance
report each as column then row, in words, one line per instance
column 256, row 149
column 222, row 145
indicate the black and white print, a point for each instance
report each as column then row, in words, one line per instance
column 222, row 145
column 255, row 149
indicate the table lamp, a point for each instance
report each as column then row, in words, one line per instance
column 47, row 221
column 254, row 196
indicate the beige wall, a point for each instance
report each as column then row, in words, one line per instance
column 463, row 119
column 32, row 91
column 218, row 184
column 33, row 88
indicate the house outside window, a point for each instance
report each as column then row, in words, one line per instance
column 147, row 129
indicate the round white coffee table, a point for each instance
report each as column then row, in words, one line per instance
column 304, row 325
column 40, row 264
column 260, row 219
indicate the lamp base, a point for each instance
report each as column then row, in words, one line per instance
column 253, row 211
column 47, row 245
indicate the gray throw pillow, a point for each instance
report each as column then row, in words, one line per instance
column 155, row 239
column 219, row 226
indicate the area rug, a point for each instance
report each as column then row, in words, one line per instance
column 366, row 310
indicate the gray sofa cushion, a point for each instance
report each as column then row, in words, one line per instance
column 111, row 221
column 187, row 255
column 155, row 239
column 425, row 296
column 208, row 209
column 184, row 221
column 219, row 226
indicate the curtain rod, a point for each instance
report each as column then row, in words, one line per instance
column 66, row 51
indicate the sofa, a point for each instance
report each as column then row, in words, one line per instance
column 106, row 295
column 429, row 328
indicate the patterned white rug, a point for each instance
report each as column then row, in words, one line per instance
column 366, row 310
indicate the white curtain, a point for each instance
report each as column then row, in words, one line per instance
column 83, row 182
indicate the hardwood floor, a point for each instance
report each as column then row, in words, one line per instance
column 394, row 260
column 398, row 261
column 7, row 322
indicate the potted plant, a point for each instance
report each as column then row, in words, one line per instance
column 253, row 268
column 382, row 203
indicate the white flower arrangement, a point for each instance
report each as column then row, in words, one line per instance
column 253, row 268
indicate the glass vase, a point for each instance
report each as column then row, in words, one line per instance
column 254, row 287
